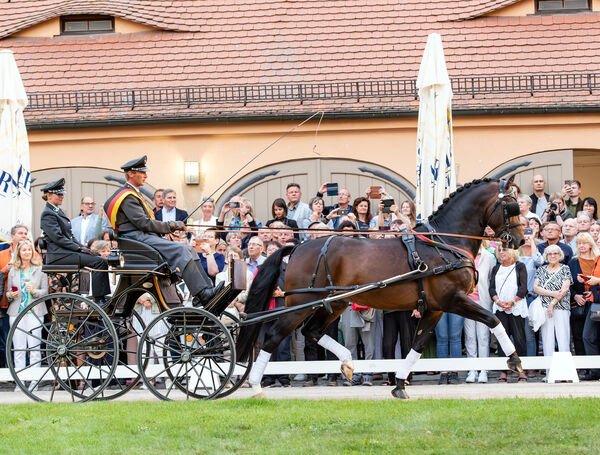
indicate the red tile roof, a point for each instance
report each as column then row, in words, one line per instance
column 276, row 41
column 20, row 14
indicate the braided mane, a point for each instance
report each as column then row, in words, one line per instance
column 452, row 195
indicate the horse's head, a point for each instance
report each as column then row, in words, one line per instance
column 503, row 216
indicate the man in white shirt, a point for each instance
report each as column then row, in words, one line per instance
column 298, row 211
column 169, row 212
column 88, row 225
column 255, row 257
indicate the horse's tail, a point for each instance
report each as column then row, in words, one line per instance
column 259, row 296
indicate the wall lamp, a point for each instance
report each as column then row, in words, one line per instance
column 191, row 172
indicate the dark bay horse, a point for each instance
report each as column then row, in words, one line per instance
column 357, row 261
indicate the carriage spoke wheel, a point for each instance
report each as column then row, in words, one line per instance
column 70, row 354
column 242, row 369
column 129, row 330
column 195, row 354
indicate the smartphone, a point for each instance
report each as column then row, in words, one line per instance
column 568, row 182
column 234, row 205
column 375, row 192
column 387, row 203
column 332, row 189
column 528, row 231
column 14, row 289
column 342, row 212
column 585, row 277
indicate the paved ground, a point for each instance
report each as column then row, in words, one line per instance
column 423, row 387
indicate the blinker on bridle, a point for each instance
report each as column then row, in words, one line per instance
column 509, row 210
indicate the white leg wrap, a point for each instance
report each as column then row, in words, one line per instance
column 407, row 364
column 258, row 368
column 500, row 333
column 330, row 344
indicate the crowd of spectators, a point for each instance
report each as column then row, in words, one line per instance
column 558, row 264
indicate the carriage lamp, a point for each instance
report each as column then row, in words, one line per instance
column 191, row 172
column 115, row 258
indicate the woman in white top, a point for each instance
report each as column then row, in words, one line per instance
column 208, row 215
column 477, row 334
column 508, row 290
column 26, row 282
column 552, row 283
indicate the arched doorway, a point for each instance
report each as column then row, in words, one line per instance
column 80, row 181
column 264, row 185
column 556, row 166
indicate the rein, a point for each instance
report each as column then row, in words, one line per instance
column 346, row 231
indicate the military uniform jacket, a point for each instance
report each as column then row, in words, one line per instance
column 57, row 231
column 131, row 215
column 131, row 218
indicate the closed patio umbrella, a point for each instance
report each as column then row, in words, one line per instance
column 436, row 175
column 15, row 175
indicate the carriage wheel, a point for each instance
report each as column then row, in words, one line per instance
column 195, row 352
column 72, row 348
column 242, row 369
column 129, row 330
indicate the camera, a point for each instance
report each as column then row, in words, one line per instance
column 234, row 205
column 342, row 212
column 387, row 203
column 553, row 207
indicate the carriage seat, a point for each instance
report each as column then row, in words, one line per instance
column 138, row 255
column 59, row 268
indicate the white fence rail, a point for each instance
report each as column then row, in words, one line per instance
column 369, row 366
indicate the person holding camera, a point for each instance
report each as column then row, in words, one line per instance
column 556, row 211
column 571, row 192
column 342, row 208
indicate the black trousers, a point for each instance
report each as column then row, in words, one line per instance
column 397, row 324
column 577, row 322
column 515, row 327
column 591, row 340
column 100, row 283
column 312, row 349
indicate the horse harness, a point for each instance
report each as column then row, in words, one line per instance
column 420, row 267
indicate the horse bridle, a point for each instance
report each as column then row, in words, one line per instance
column 509, row 209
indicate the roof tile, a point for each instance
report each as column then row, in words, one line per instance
column 275, row 41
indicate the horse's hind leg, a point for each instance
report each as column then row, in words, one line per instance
column 278, row 331
column 467, row 308
column 423, row 334
column 315, row 328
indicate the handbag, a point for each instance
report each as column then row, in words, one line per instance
column 595, row 312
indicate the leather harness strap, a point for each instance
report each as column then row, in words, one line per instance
column 416, row 263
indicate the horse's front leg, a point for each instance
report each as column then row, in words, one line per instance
column 278, row 331
column 464, row 306
column 423, row 334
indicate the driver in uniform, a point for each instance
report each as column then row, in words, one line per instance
column 133, row 219
column 62, row 246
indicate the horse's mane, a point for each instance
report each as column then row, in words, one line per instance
column 452, row 195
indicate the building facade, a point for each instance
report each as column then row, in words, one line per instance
column 218, row 84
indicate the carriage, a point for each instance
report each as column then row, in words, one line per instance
column 86, row 352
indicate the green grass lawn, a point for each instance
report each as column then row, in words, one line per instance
column 296, row 426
